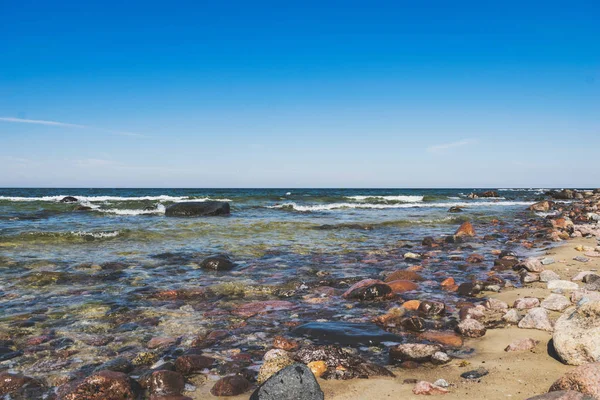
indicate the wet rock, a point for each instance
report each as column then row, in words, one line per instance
column 556, row 302
column 475, row 374
column 69, row 199
column 536, row 318
column 528, row 277
column 274, row 361
column 455, row 209
column 503, row 264
column 157, row 342
column 230, row 386
column 346, row 333
column 432, row 308
column 318, row 368
column 368, row 289
column 341, row 363
column 531, row 265
column 414, row 324
column 469, row 289
column 466, row 229
column 576, row 334
column 449, row 339
column 101, row 386
column 584, row 379
column 562, row 285
column 191, row 363
column 427, row 388
column 169, row 397
column 412, row 256
column 548, row 275
column 562, row 395
column 471, row 328
column 279, row 342
column 402, row 286
column 526, row 303
column 165, row 382
column 260, row 307
column 217, row 263
column 428, row 241
column 475, row 259
column 404, row 275
column 413, row 352
column 542, row 206
column 19, row 386
column 198, row 209
column 522, row 345
column 411, row 305
column 295, row 382
column 82, row 208
column 119, row 364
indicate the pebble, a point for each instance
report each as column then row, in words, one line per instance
column 547, row 261
column 475, row 374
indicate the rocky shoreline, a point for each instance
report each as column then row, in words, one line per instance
column 408, row 344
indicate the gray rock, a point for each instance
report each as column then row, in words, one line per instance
column 526, row 303
column 547, row 261
column 562, row 285
column 295, row 382
column 198, row 209
column 413, row 352
column 439, row 357
column 471, row 328
column 536, row 318
column 556, row 302
column 581, row 259
column 576, row 335
column 442, row 383
column 217, row 263
column 548, row 275
column 531, row 264
column 512, row 316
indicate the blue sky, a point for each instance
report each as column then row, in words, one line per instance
column 299, row 94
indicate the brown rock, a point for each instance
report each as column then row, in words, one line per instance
column 475, row 259
column 411, row 305
column 103, row 385
column 166, row 382
column 542, row 206
column 466, row 229
column 368, row 289
column 404, row 275
column 260, row 307
column 318, row 368
column 279, row 342
column 584, row 379
column 190, row 363
column 12, row 383
column 444, row 338
column 157, row 342
column 401, row 286
column 230, row 386
column 471, row 328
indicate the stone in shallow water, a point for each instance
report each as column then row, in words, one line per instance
column 346, row 333
column 295, row 382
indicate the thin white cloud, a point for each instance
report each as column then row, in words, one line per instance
column 66, row 125
column 438, row 148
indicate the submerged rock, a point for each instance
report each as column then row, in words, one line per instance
column 466, row 229
column 230, row 386
column 295, row 382
column 274, row 361
column 217, row 263
column 368, row 289
column 101, row 386
column 17, row 386
column 345, row 333
column 198, row 209
column 577, row 335
column 166, row 382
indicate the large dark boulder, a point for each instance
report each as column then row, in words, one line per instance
column 198, row 209
column 217, row 263
column 69, row 199
column 295, row 382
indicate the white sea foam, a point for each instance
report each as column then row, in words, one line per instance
column 339, row 206
column 96, row 199
column 97, row 235
column 406, row 199
column 160, row 209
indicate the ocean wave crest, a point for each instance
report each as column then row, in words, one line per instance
column 96, row 199
column 399, row 198
column 340, row 206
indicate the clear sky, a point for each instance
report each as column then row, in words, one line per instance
column 300, row 93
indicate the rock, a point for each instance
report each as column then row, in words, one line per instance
column 529, row 277
column 230, row 386
column 471, row 328
column 548, row 275
column 439, row 357
column 402, row 286
column 466, row 229
column 157, row 342
column 475, row 374
column 441, row 383
column 522, row 345
column 455, row 209
column 82, row 208
column 432, row 308
column 581, row 275
column 526, row 303
column 274, row 361
column 562, row 285
column 345, row 333
column 164, row 382
column 428, row 241
column 412, row 256
column 562, row 395
column 198, row 209
column 475, row 259
column 414, row 324
column 279, row 342
column 496, row 305
column 411, row 305
column 531, row 265
column 536, row 318
column 512, row 317
column 260, row 307
column 217, row 263
column 69, row 199
column 576, row 334
column 469, row 289
column 103, row 385
column 584, row 379
column 368, row 289
column 449, row 338
column 556, row 302
column 427, row 388
column 413, row 352
column 17, row 386
column 547, row 261
column 542, row 206
column 294, row 382
column 190, row 363
column 318, row 368
column 581, row 259
column 404, row 275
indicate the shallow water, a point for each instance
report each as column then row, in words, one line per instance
column 107, row 271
